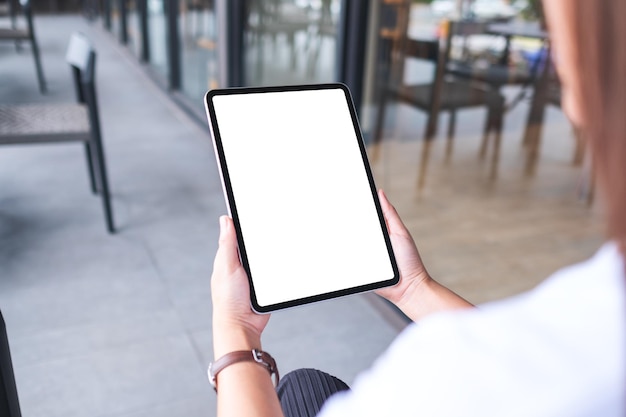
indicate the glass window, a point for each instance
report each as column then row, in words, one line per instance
column 157, row 36
column 198, row 37
column 290, row 41
column 470, row 142
column 115, row 17
column 133, row 19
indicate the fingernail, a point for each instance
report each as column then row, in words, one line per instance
column 222, row 224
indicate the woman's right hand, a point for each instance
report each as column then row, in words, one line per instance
column 412, row 270
column 417, row 294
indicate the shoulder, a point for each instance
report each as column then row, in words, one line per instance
column 559, row 347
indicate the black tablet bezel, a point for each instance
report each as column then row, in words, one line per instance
column 227, row 187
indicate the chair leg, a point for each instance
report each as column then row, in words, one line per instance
column 579, row 152
column 100, row 164
column 431, row 126
column 90, row 168
column 451, row 130
column 9, row 400
column 496, row 144
column 421, row 179
column 429, row 136
column 591, row 192
column 38, row 67
column 40, row 78
column 489, row 121
column 586, row 186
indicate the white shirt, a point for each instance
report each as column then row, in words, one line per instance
column 558, row 350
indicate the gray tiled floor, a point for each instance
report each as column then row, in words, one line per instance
column 103, row 325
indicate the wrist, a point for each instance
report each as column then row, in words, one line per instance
column 230, row 337
column 418, row 289
column 427, row 296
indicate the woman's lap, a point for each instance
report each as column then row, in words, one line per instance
column 303, row 392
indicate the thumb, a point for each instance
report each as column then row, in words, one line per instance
column 227, row 253
column 394, row 223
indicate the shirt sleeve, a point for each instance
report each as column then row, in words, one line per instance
column 542, row 353
column 416, row 376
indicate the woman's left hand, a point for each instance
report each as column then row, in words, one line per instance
column 235, row 325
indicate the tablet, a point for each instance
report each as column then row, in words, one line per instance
column 300, row 191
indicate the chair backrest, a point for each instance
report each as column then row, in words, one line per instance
column 9, row 403
column 468, row 27
column 9, row 8
column 458, row 33
column 28, row 14
column 82, row 59
column 419, row 49
column 13, row 9
column 429, row 50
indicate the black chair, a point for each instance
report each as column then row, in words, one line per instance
column 8, row 8
column 490, row 67
column 9, row 402
column 50, row 123
column 16, row 34
column 444, row 93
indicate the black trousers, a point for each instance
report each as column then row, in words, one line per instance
column 303, row 392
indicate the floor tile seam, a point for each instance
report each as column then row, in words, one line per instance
column 141, row 73
column 197, row 348
column 96, row 323
column 164, row 281
column 77, row 357
column 154, row 263
column 153, row 406
column 34, row 286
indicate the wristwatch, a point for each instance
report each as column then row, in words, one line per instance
column 255, row 355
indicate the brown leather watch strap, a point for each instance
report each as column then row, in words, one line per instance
column 255, row 356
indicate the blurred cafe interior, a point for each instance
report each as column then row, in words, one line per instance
column 460, row 108
column 458, row 102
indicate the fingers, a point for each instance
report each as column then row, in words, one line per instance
column 394, row 224
column 227, row 254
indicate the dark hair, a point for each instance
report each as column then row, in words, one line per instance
column 598, row 30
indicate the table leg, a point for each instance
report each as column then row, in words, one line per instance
column 504, row 58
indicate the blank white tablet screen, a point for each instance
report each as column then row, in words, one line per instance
column 303, row 200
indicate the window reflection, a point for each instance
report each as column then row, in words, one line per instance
column 198, row 34
column 133, row 19
column 115, row 17
column 290, row 42
column 157, row 36
column 449, row 56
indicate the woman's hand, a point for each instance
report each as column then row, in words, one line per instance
column 417, row 294
column 235, row 325
column 412, row 271
column 244, row 388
